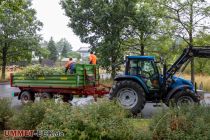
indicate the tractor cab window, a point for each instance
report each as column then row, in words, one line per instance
column 141, row 67
column 145, row 69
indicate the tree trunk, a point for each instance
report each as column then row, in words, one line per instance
column 4, row 62
column 113, row 67
column 142, row 49
column 191, row 43
column 40, row 60
column 192, row 71
column 142, row 44
column 113, row 72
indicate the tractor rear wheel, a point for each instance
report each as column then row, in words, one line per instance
column 129, row 94
column 184, row 98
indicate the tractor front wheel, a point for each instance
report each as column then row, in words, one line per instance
column 184, row 97
column 129, row 94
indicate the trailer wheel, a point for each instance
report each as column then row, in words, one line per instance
column 184, row 97
column 46, row 95
column 68, row 97
column 26, row 97
column 129, row 95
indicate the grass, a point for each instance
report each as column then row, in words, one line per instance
column 140, row 124
column 201, row 80
column 1, row 135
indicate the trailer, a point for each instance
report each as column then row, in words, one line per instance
column 84, row 82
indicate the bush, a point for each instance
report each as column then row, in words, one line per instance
column 187, row 122
column 29, row 116
column 102, row 121
column 5, row 112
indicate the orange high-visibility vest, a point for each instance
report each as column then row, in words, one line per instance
column 67, row 65
column 92, row 59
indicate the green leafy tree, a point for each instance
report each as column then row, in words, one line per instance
column 18, row 31
column 64, row 51
column 202, row 65
column 74, row 54
column 42, row 53
column 101, row 24
column 52, row 49
column 144, row 25
column 63, row 47
column 189, row 18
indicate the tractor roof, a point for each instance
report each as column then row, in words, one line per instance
column 142, row 57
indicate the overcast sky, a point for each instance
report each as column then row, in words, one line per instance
column 50, row 13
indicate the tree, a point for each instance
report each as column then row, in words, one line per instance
column 18, row 31
column 144, row 25
column 101, row 24
column 42, row 53
column 63, row 47
column 74, row 54
column 202, row 64
column 189, row 18
column 52, row 49
column 64, row 51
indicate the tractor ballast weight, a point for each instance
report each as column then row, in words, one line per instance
column 143, row 83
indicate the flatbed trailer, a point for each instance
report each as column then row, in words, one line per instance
column 85, row 81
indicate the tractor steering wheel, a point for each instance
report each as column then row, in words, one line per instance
column 146, row 74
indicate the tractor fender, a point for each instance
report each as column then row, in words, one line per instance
column 174, row 90
column 133, row 78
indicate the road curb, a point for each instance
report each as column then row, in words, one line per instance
column 4, row 83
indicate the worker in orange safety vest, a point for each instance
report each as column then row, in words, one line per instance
column 70, row 66
column 92, row 58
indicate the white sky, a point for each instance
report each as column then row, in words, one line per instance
column 50, row 13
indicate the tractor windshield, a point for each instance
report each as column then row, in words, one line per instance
column 142, row 67
column 145, row 69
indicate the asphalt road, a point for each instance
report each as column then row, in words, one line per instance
column 6, row 92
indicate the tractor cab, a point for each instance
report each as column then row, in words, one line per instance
column 144, row 68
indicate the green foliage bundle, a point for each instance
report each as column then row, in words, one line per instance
column 187, row 122
column 101, row 121
column 37, row 70
column 5, row 112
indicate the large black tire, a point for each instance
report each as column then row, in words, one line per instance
column 129, row 95
column 46, row 95
column 26, row 97
column 67, row 97
column 184, row 97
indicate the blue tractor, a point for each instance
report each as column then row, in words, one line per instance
column 143, row 82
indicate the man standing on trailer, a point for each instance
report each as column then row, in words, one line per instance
column 70, row 65
column 92, row 58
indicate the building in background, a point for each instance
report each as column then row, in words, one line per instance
column 84, row 52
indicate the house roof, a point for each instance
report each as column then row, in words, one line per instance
column 83, row 49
